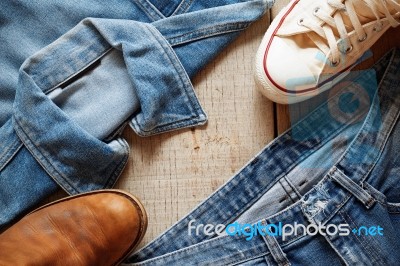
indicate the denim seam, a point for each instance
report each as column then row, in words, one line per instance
column 335, row 248
column 293, row 188
column 90, row 51
column 331, row 135
column 263, row 254
column 10, row 155
column 75, row 73
column 372, row 247
column 177, row 252
column 367, row 118
column 296, row 191
column 207, row 32
column 177, row 65
column 287, row 193
column 182, row 250
column 356, row 139
column 182, row 7
column 392, row 68
column 385, row 138
column 365, row 244
column 164, row 128
column 269, row 260
column 367, row 249
column 285, row 244
column 354, row 188
column 6, row 151
column 62, row 183
column 185, row 82
column 339, row 207
column 381, row 198
column 276, row 250
column 116, row 133
column 152, row 12
column 119, row 167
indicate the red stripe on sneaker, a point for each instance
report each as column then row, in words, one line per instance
column 266, row 54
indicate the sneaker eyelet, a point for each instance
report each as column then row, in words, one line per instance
column 335, row 64
column 316, row 10
column 364, row 38
column 349, row 49
column 300, row 22
column 378, row 28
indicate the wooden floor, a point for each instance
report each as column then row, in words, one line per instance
column 173, row 172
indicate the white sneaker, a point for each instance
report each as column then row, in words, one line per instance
column 311, row 45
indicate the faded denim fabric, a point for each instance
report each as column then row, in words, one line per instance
column 62, row 112
column 339, row 165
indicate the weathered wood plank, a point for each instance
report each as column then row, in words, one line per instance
column 171, row 173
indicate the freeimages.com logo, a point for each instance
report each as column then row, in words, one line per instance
column 249, row 231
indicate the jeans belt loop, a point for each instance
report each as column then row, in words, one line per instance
column 275, row 249
column 356, row 190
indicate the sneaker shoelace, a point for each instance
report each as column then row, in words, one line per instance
column 326, row 40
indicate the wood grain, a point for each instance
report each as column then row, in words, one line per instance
column 172, row 173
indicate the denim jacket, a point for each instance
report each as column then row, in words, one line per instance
column 73, row 97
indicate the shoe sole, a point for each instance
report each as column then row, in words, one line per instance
column 135, row 201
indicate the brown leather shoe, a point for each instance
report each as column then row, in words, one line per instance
column 97, row 228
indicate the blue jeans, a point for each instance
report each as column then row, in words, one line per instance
column 335, row 175
column 62, row 110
